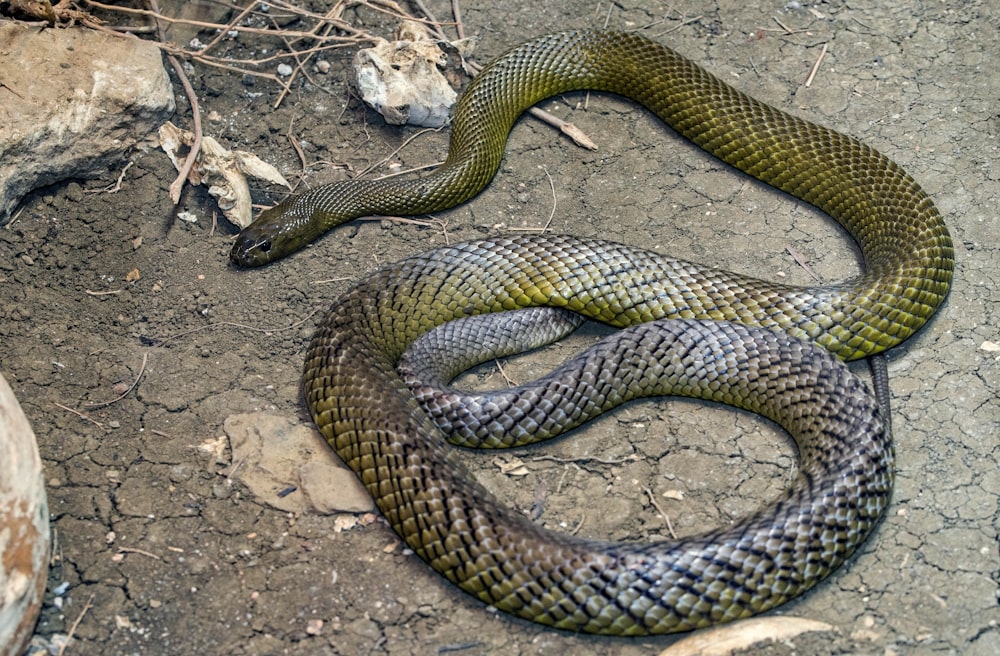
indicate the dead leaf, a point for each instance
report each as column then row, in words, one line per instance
column 512, row 467
column 224, row 171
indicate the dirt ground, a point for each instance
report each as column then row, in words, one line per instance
column 174, row 556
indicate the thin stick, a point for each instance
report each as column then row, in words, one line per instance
column 403, row 145
column 297, row 148
column 430, row 18
column 552, row 213
column 663, row 513
column 585, row 459
column 72, row 629
column 178, row 184
column 229, row 27
column 801, row 261
column 322, row 28
column 155, row 14
column 237, row 325
column 138, row 551
column 456, row 13
column 552, row 187
column 327, row 281
column 117, row 186
column 81, row 415
column 683, row 23
column 815, row 67
column 782, row 25
column 431, row 222
column 142, row 368
column 507, row 379
column 432, row 165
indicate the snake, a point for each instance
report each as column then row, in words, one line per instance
column 372, row 419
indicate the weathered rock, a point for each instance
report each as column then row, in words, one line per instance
column 24, row 527
column 402, row 80
column 72, row 104
column 288, row 466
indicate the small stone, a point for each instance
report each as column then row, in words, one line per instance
column 314, row 627
column 74, row 192
column 284, row 70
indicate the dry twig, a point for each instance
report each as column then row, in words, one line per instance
column 141, row 552
column 231, row 324
column 142, row 368
column 663, row 513
column 81, row 415
column 178, row 184
column 815, row 66
column 76, row 623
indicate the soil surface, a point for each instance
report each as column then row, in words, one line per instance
column 168, row 554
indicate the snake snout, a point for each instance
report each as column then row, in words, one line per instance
column 250, row 251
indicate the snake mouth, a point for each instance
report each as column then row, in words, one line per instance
column 250, row 252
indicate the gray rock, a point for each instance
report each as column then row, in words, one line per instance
column 73, row 102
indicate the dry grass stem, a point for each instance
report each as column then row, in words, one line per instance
column 663, row 513
column 76, row 623
column 816, row 65
column 142, row 368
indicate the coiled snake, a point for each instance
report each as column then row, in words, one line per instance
column 374, row 423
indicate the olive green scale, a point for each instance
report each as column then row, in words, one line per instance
column 373, row 421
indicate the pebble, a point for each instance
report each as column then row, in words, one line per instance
column 284, row 70
column 74, row 192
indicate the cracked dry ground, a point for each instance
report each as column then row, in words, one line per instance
column 176, row 558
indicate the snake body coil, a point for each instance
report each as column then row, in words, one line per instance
column 372, row 420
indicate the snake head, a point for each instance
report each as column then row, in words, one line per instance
column 277, row 232
column 251, row 249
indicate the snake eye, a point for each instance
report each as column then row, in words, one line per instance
column 264, row 246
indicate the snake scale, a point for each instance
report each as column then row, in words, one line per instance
column 373, row 421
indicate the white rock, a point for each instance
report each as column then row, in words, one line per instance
column 402, row 81
column 74, row 103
